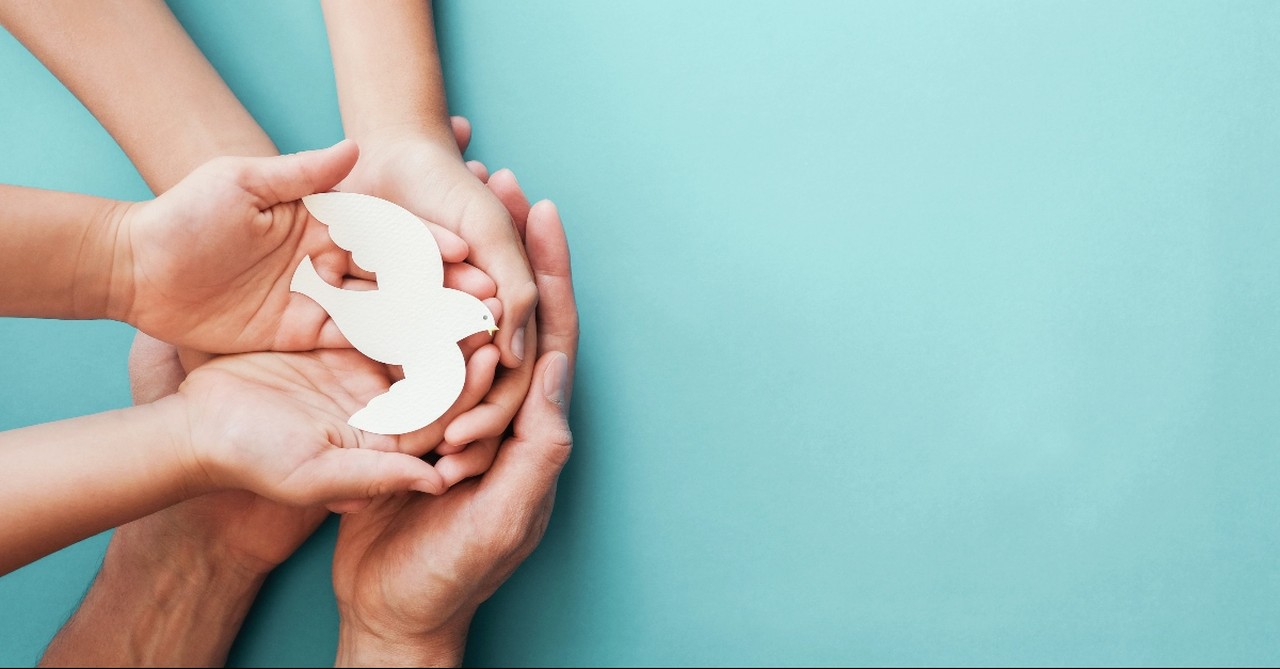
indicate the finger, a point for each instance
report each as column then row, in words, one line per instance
column 527, row 464
column 504, row 185
column 491, row 417
column 305, row 326
column 154, row 369
column 480, row 372
column 461, row 132
column 477, row 168
column 469, row 279
column 452, row 247
column 474, row 460
column 548, row 251
column 349, row 505
column 290, row 177
column 502, row 259
column 341, row 474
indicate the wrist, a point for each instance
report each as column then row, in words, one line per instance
column 159, row 600
column 103, row 285
column 388, row 136
column 173, row 414
column 359, row 646
column 386, row 157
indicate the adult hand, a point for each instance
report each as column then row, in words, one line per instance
column 410, row 571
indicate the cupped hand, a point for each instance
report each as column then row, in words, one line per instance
column 276, row 424
column 409, row 571
column 430, row 179
column 208, row 264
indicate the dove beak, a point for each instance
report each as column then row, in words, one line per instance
column 492, row 330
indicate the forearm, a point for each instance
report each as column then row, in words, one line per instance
column 156, row 602
column 60, row 255
column 71, row 479
column 135, row 68
column 390, row 83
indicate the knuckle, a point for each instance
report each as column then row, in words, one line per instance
column 525, row 294
column 558, row 449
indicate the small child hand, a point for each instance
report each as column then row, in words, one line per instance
column 208, row 263
column 276, row 424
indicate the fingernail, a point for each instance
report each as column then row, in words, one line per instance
column 557, row 376
column 517, row 343
column 426, row 487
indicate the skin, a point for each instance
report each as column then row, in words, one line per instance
column 207, row 557
column 204, row 558
column 271, row 424
column 241, row 229
column 396, row 109
column 409, row 573
column 186, row 115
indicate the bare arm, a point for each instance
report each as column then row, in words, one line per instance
column 135, row 68
column 71, row 479
column 388, row 69
column 159, row 97
column 59, row 250
column 158, row 601
column 391, row 92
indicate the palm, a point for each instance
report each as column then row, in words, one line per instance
column 215, row 276
column 305, row 398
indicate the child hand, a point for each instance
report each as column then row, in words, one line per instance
column 207, row 265
column 276, row 424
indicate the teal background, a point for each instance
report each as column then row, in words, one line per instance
column 913, row 332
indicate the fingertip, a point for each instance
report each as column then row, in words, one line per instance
column 430, row 486
column 504, row 175
column 461, row 131
column 346, row 147
column 517, row 312
column 453, row 248
column 343, row 155
column 479, row 170
column 544, row 210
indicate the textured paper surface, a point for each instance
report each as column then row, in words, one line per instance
column 411, row 319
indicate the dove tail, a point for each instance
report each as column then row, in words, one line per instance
column 307, row 281
column 410, row 404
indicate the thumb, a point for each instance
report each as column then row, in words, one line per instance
column 290, row 177
column 344, row 474
column 529, row 463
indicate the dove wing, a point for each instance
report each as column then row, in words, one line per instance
column 382, row 237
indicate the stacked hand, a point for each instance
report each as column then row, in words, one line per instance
column 430, row 179
column 409, row 572
column 476, row 533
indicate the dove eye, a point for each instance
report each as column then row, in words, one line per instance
column 485, row 317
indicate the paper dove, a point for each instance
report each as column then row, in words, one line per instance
column 410, row 320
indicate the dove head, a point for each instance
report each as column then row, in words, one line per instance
column 465, row 315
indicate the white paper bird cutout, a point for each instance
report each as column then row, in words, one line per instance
column 411, row 319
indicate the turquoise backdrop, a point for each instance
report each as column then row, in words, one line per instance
column 913, row 332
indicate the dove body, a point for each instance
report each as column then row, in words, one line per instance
column 411, row 319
